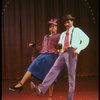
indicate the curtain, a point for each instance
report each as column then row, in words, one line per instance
column 25, row 21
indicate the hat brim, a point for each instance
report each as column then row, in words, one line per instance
column 53, row 23
column 68, row 17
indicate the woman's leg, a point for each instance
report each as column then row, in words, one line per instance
column 51, row 88
column 26, row 76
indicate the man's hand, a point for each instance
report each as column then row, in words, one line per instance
column 75, row 53
column 59, row 46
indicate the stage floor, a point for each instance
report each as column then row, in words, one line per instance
column 87, row 88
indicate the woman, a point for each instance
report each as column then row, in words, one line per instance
column 42, row 64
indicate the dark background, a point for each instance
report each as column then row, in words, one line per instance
column 25, row 21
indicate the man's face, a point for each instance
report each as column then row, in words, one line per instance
column 52, row 28
column 68, row 24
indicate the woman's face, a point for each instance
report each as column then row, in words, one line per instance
column 53, row 28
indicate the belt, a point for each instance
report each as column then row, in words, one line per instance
column 68, row 49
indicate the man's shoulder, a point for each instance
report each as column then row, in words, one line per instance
column 77, row 28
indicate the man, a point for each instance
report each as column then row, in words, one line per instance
column 42, row 64
column 71, row 42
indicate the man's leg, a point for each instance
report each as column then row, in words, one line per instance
column 71, row 65
column 52, row 75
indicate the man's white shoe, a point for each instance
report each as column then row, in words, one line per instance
column 35, row 88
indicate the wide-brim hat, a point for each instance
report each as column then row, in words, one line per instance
column 68, row 17
column 53, row 21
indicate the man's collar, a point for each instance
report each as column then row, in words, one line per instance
column 71, row 28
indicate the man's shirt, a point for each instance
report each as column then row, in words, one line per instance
column 79, row 40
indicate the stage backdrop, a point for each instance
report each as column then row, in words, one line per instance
column 25, row 21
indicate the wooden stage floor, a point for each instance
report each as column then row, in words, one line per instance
column 87, row 88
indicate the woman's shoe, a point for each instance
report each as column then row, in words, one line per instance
column 19, row 89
